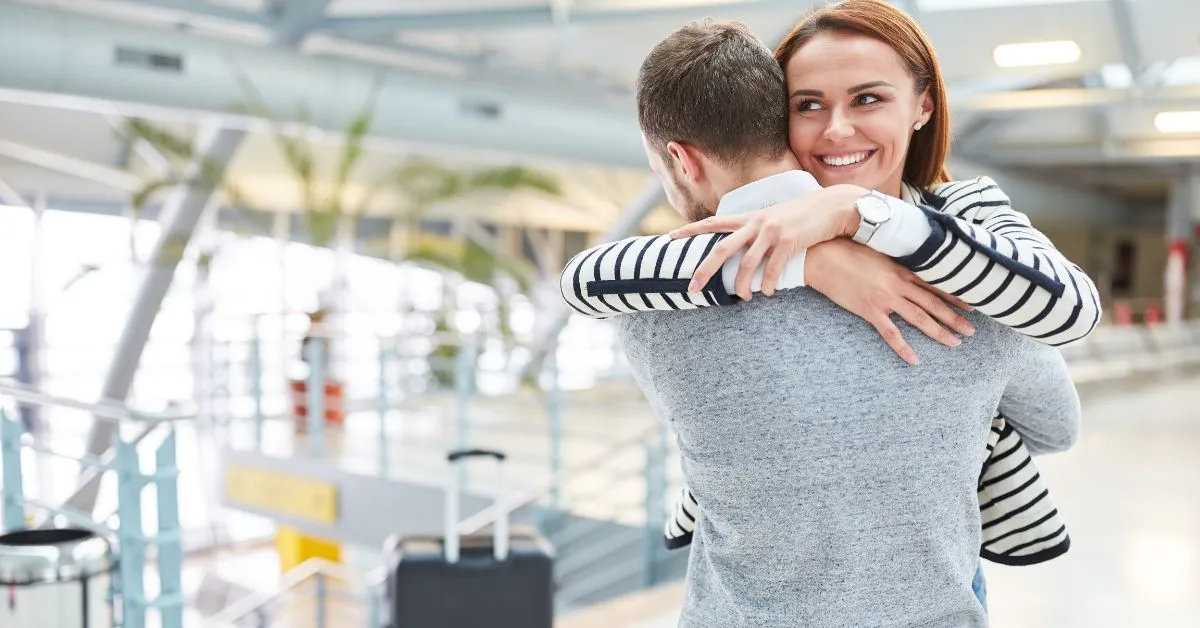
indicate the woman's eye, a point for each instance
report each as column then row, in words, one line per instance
column 867, row 99
column 808, row 105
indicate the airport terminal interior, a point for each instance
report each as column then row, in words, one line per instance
column 265, row 263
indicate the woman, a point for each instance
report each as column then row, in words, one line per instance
column 869, row 112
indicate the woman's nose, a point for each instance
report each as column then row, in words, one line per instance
column 839, row 127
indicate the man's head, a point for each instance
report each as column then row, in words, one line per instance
column 712, row 103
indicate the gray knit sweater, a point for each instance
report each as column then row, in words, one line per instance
column 838, row 484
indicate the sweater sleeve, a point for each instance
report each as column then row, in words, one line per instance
column 990, row 256
column 641, row 274
column 979, row 248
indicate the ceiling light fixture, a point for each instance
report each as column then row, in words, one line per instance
column 1178, row 122
column 1036, row 53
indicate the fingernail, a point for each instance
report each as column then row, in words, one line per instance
column 969, row 330
column 911, row 357
column 954, row 342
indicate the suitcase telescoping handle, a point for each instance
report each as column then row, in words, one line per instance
column 500, row 528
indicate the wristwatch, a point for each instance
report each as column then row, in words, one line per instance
column 873, row 211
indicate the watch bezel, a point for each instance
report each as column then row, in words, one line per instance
column 873, row 208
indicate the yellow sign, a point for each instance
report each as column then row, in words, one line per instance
column 282, row 494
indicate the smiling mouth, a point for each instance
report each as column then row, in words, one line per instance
column 846, row 161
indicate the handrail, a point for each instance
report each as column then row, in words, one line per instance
column 90, row 473
column 108, row 409
column 230, row 615
column 531, row 495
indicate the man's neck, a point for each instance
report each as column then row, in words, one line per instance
column 749, row 173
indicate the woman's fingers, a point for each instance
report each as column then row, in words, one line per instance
column 892, row 336
column 921, row 319
column 780, row 256
column 743, row 286
column 932, row 303
column 724, row 250
column 713, row 224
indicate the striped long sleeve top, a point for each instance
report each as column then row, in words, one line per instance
column 979, row 249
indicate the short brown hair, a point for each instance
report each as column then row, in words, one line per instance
column 925, row 164
column 714, row 85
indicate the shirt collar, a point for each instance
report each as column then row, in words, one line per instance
column 786, row 186
column 766, row 191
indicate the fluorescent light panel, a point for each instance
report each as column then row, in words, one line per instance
column 1178, row 122
column 1036, row 53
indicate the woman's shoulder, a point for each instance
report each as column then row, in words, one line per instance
column 969, row 194
column 964, row 186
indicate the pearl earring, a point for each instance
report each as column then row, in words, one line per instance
column 917, row 126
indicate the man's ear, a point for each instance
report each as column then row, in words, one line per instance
column 687, row 160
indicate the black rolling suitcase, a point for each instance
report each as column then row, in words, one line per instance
column 478, row 581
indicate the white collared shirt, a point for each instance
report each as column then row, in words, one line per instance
column 901, row 235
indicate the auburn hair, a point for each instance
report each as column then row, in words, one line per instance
column 925, row 163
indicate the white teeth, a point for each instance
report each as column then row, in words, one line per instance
column 845, row 160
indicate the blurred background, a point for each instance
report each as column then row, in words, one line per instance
column 273, row 258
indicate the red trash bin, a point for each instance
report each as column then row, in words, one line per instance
column 334, row 402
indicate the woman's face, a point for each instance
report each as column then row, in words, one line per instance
column 853, row 109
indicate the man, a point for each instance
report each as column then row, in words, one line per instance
column 837, row 485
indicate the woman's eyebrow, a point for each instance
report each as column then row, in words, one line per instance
column 808, row 92
column 868, row 85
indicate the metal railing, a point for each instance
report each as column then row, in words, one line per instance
column 133, row 544
column 406, row 383
column 365, row 594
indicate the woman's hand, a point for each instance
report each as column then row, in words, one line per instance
column 780, row 232
column 873, row 287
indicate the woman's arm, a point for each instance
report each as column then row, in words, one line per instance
column 978, row 249
column 641, row 274
column 987, row 254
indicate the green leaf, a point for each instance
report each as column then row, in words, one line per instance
column 514, row 178
column 355, row 136
column 441, row 252
column 142, row 195
column 321, row 226
column 161, row 139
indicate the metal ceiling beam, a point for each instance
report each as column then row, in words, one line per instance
column 479, row 114
column 546, row 15
column 297, row 18
column 1078, row 98
column 182, row 11
column 1158, row 151
column 11, row 196
column 1131, row 48
column 73, row 166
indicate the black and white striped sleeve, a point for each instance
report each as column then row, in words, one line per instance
column 990, row 256
column 641, row 274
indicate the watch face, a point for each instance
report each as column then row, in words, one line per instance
column 874, row 209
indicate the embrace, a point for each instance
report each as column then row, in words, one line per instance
column 854, row 352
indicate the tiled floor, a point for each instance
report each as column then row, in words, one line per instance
column 1130, row 495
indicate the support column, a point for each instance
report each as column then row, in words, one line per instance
column 179, row 218
column 281, row 233
column 31, row 340
column 1183, row 211
column 627, row 223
